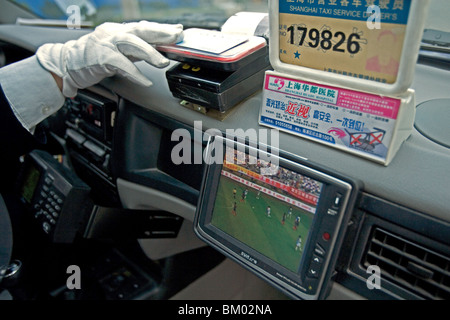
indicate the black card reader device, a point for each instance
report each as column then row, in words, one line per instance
column 220, row 90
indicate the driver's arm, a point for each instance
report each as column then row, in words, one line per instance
column 34, row 88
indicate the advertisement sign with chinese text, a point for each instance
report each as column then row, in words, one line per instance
column 355, row 121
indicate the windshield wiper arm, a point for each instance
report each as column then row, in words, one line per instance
column 435, row 47
column 436, row 40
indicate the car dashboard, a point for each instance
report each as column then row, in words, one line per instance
column 118, row 138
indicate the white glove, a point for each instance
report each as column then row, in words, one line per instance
column 110, row 49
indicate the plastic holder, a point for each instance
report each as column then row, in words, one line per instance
column 348, row 43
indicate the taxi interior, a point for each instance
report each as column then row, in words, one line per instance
column 139, row 241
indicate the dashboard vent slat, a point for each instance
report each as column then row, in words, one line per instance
column 409, row 265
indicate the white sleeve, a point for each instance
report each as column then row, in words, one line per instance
column 31, row 91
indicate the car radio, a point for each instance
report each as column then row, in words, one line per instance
column 55, row 196
column 88, row 134
column 92, row 114
column 282, row 218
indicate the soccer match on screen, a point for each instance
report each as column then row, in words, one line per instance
column 266, row 207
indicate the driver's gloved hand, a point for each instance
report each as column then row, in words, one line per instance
column 109, row 50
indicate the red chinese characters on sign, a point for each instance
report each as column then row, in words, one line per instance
column 303, row 111
column 292, row 108
column 298, row 110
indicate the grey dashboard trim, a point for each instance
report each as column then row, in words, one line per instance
column 135, row 196
column 418, row 177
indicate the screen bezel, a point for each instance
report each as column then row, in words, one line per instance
column 293, row 284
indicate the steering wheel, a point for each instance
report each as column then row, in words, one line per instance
column 6, row 239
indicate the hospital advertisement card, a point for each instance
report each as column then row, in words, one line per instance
column 354, row 121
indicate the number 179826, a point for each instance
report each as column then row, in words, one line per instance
column 325, row 39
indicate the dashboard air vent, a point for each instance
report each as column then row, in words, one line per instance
column 407, row 264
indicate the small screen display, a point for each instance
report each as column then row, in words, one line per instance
column 31, row 181
column 267, row 207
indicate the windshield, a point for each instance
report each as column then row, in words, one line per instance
column 204, row 13
column 438, row 15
